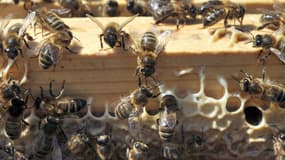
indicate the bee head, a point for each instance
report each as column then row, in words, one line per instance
column 245, row 84
column 110, row 38
column 11, row 52
column 258, row 41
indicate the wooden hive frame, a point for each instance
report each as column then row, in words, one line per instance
column 107, row 75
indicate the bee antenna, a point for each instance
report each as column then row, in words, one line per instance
column 42, row 92
column 235, row 78
column 60, row 93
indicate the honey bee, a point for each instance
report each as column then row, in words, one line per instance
column 14, row 122
column 112, row 32
column 227, row 10
column 182, row 10
column 272, row 19
column 12, row 43
column 167, row 119
column 279, row 145
column 138, row 7
column 58, row 106
column 51, row 50
column 136, row 100
column 138, row 151
column 208, row 6
column 266, row 90
column 76, row 7
column 46, row 144
column 104, row 147
column 150, row 47
column 112, row 8
column 9, row 148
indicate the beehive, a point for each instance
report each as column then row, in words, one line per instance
column 229, row 124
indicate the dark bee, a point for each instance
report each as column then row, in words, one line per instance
column 12, row 43
column 51, row 50
column 167, row 120
column 14, row 121
column 265, row 90
column 162, row 10
column 57, row 106
column 46, row 144
column 77, row 7
column 138, row 7
column 226, row 11
column 138, row 151
column 104, row 147
column 112, row 32
column 148, row 51
column 272, row 19
column 208, row 6
column 135, row 101
column 112, row 8
column 279, row 145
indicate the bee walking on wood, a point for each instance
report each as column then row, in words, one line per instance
column 162, row 10
column 208, row 6
column 226, row 11
column 59, row 106
column 148, row 51
column 112, row 32
column 76, row 7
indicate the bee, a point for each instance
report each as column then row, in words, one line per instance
column 266, row 90
column 172, row 151
column 76, row 7
column 208, row 6
column 48, row 19
column 14, row 122
column 136, row 100
column 162, row 10
column 226, row 11
column 51, row 50
column 12, row 43
column 46, row 144
column 138, row 151
column 104, row 147
column 272, row 19
column 279, row 145
column 112, row 8
column 112, row 32
column 150, row 47
column 12, row 152
column 138, row 7
column 58, row 106
column 167, row 120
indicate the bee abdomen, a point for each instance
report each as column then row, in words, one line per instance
column 54, row 22
column 165, row 133
column 148, row 41
column 123, row 110
column 72, row 106
column 213, row 17
column 41, row 151
column 13, row 129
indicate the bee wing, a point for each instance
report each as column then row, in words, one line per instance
column 168, row 119
column 278, row 53
column 27, row 22
column 127, row 21
column 278, row 6
column 61, row 11
column 163, row 38
column 93, row 19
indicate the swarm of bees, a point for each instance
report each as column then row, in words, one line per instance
column 51, row 140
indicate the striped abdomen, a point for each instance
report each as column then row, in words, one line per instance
column 274, row 93
column 70, row 106
column 123, row 110
column 53, row 22
column 214, row 16
column 165, row 133
column 43, row 148
column 148, row 41
column 48, row 55
column 13, row 127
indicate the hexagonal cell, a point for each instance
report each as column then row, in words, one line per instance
column 253, row 115
column 210, row 109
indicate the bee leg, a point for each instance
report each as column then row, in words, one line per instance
column 25, row 122
column 101, row 42
column 161, row 19
column 264, row 25
column 226, row 20
column 26, row 44
column 70, row 50
column 138, row 75
column 60, row 93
